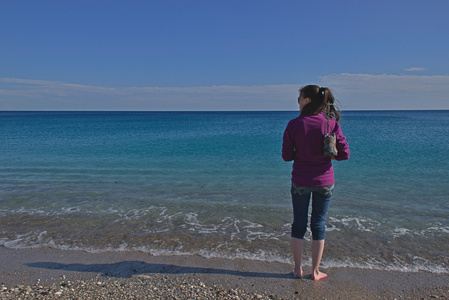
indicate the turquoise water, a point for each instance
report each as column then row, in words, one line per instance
column 214, row 184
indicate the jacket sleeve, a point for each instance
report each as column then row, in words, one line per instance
column 342, row 144
column 288, row 147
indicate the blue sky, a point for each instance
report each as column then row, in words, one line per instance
column 222, row 55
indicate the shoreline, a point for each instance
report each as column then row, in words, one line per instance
column 34, row 267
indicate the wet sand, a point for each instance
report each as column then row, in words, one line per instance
column 73, row 273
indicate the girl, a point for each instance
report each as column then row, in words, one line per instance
column 313, row 174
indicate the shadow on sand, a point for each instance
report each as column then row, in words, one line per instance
column 126, row 269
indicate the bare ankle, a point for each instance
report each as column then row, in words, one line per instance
column 317, row 275
column 297, row 272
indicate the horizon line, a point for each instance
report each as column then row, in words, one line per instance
column 137, row 111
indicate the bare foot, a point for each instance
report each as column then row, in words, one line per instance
column 298, row 275
column 318, row 276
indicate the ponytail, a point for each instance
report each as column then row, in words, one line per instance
column 329, row 106
column 322, row 101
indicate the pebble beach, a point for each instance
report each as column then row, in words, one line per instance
column 45, row 273
column 156, row 286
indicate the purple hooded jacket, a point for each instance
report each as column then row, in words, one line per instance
column 303, row 143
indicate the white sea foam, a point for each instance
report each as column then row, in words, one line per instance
column 420, row 264
column 436, row 228
column 359, row 223
column 191, row 221
column 240, row 237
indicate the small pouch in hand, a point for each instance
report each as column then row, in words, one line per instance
column 329, row 144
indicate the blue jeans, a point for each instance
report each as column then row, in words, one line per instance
column 321, row 197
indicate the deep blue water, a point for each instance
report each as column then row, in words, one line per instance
column 214, row 184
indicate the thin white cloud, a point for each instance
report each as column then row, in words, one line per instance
column 414, row 69
column 59, row 95
column 383, row 91
column 354, row 91
column 18, row 84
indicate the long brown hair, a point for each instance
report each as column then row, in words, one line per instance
column 322, row 100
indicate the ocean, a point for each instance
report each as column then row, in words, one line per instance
column 214, row 184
